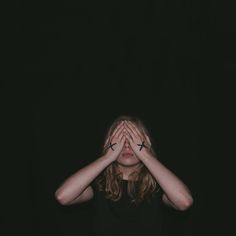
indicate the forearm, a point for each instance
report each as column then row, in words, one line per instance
column 73, row 186
column 176, row 191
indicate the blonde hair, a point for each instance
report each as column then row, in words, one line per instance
column 141, row 184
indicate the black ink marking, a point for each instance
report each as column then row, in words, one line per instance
column 111, row 146
column 141, row 146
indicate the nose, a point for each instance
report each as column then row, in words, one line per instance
column 127, row 145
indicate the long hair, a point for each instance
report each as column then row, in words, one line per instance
column 141, row 183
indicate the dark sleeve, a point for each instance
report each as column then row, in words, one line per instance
column 93, row 185
column 159, row 194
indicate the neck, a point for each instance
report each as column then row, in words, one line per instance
column 127, row 170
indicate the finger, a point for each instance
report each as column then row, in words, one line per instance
column 135, row 129
column 148, row 140
column 136, row 134
column 129, row 138
column 122, row 141
column 128, row 128
column 117, row 129
column 106, row 142
column 109, row 139
column 120, row 133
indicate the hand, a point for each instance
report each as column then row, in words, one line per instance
column 115, row 143
column 139, row 143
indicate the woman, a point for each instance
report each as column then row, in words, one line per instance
column 127, row 183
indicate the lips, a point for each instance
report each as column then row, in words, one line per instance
column 127, row 154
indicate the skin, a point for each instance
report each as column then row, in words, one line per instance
column 123, row 154
column 176, row 193
column 128, row 159
column 77, row 189
column 117, row 138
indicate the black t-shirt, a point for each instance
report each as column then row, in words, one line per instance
column 123, row 218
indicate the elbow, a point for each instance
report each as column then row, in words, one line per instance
column 61, row 199
column 185, row 204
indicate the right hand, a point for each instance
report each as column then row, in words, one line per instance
column 117, row 137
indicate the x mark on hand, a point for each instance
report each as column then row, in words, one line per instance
column 111, row 146
column 141, row 146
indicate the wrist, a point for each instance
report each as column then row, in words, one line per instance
column 145, row 156
column 108, row 158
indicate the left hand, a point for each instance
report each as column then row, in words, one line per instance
column 139, row 143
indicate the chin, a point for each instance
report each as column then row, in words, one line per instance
column 128, row 161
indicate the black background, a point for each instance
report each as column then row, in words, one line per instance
column 81, row 67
